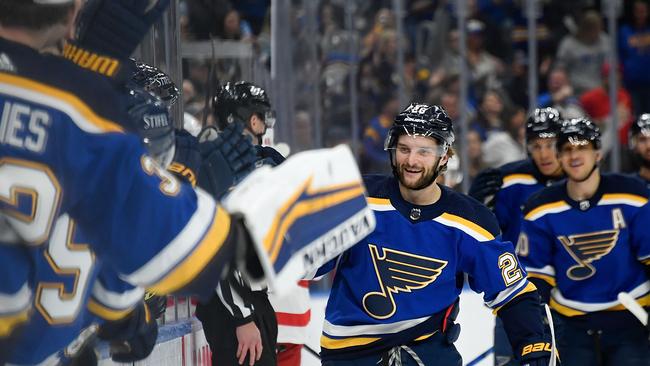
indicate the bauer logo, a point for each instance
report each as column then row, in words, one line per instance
column 338, row 240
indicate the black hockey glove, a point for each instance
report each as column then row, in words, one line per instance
column 187, row 158
column 116, row 27
column 109, row 31
column 226, row 158
column 485, row 186
column 132, row 338
column 156, row 304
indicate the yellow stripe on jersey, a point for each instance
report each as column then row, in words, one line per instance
column 466, row 225
column 333, row 343
column 530, row 287
column 199, row 258
column 47, row 93
column 292, row 211
column 567, row 311
column 10, row 322
column 511, row 179
column 105, row 312
column 624, row 198
column 542, row 210
column 378, row 201
column 546, row 278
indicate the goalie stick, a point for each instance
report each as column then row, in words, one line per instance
column 634, row 307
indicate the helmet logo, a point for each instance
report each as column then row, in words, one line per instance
column 417, row 108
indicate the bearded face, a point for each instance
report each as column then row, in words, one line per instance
column 416, row 160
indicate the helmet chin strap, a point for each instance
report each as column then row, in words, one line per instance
column 590, row 173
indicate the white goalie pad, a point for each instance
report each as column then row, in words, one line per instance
column 303, row 213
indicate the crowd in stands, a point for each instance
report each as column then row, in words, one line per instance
column 573, row 47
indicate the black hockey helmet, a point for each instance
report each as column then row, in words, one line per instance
column 240, row 101
column 419, row 119
column 151, row 79
column 543, row 123
column 151, row 120
column 576, row 130
column 640, row 126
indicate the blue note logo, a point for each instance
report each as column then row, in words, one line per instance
column 397, row 272
column 586, row 248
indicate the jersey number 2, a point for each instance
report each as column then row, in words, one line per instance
column 509, row 268
column 30, row 195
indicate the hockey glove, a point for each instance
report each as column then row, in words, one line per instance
column 156, row 304
column 187, row 158
column 536, row 354
column 116, row 27
column 149, row 117
column 109, row 31
column 485, row 186
column 132, row 338
column 227, row 157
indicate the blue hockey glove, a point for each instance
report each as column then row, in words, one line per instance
column 115, row 27
column 227, row 159
column 187, row 158
column 485, row 186
column 132, row 338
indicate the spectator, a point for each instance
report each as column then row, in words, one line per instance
column 204, row 17
column 485, row 68
column 560, row 95
column 634, row 51
column 474, row 153
column 490, row 114
column 234, row 28
column 506, row 145
column 375, row 159
column 596, row 104
column 582, row 54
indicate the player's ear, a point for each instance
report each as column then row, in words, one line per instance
column 599, row 155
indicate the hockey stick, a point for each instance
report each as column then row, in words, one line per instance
column 311, row 351
column 550, row 324
column 630, row 304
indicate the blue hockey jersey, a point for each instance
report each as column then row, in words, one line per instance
column 520, row 180
column 591, row 250
column 390, row 288
column 83, row 196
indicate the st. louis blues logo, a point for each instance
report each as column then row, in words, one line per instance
column 398, row 271
column 586, row 248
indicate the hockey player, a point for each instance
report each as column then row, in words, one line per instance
column 80, row 192
column 395, row 294
column 584, row 241
column 640, row 145
column 507, row 188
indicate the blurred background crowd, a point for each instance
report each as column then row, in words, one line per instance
column 349, row 66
